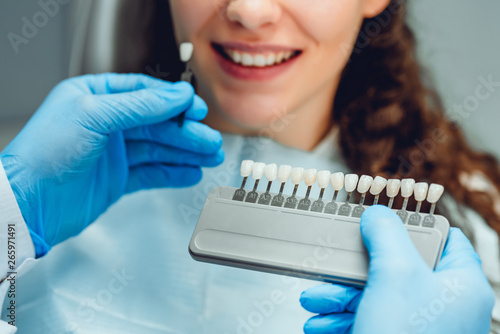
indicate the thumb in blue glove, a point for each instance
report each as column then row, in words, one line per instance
column 98, row 137
column 403, row 295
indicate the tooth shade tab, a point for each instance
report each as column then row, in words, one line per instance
column 378, row 185
column 310, row 176
column 364, row 184
column 246, row 168
column 324, row 178
column 407, row 186
column 284, row 173
column 258, row 170
column 297, row 175
column 338, row 181
column 393, row 186
column 351, row 180
column 420, row 191
column 186, row 51
column 271, row 172
column 435, row 193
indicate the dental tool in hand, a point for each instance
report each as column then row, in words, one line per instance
column 186, row 53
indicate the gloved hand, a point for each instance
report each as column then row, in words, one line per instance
column 403, row 295
column 97, row 137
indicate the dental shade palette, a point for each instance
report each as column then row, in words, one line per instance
column 313, row 238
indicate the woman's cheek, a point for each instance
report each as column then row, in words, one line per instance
column 328, row 21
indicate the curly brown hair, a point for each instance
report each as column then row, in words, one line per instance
column 391, row 120
column 393, row 124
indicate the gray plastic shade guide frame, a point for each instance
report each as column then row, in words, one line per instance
column 306, row 244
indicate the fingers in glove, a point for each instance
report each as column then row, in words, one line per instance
column 388, row 242
column 139, row 153
column 458, row 252
column 162, row 176
column 340, row 323
column 108, row 113
column 330, row 298
column 193, row 136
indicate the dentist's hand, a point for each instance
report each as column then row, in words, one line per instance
column 403, row 295
column 98, row 137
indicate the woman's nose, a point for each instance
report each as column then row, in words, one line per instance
column 253, row 14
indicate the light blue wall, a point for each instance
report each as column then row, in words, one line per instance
column 459, row 42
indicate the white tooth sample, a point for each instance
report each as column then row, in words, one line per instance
column 271, row 59
column 407, row 186
column 297, row 175
column 284, row 173
column 351, row 180
column 324, row 178
column 338, row 181
column 310, row 176
column 364, row 184
column 435, row 193
column 378, row 185
column 393, row 186
column 420, row 191
column 246, row 168
column 258, row 170
column 186, row 51
column 271, row 172
column 247, row 59
column 237, row 57
column 260, row 60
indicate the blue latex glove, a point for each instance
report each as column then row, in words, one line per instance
column 403, row 295
column 98, row 137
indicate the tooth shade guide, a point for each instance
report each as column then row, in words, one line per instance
column 245, row 171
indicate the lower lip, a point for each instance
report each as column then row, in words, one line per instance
column 254, row 73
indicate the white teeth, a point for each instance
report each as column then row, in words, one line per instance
column 378, row 185
column 284, row 173
column 258, row 170
column 351, row 180
column 258, row 60
column 435, row 193
column 364, row 184
column 246, row 168
column 407, row 186
column 338, row 181
column 280, row 57
column 421, row 191
column 393, row 186
column 297, row 175
column 271, row 59
column 186, row 52
column 324, row 178
column 310, row 176
column 247, row 59
column 271, row 172
column 236, row 56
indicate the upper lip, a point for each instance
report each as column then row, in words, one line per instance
column 245, row 47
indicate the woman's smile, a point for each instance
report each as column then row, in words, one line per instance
column 254, row 61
